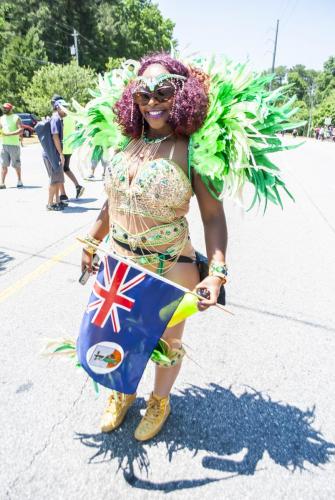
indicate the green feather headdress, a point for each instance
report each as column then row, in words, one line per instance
column 230, row 150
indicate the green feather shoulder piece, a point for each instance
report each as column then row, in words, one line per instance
column 231, row 148
column 96, row 124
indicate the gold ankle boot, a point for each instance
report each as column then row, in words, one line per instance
column 116, row 410
column 158, row 410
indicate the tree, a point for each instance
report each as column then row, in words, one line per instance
column 20, row 57
column 299, row 85
column 302, row 115
column 326, row 80
column 325, row 109
column 54, row 20
column 133, row 28
column 280, row 77
column 114, row 63
column 107, row 28
column 68, row 80
column 302, row 79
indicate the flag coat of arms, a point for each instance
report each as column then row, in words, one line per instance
column 127, row 314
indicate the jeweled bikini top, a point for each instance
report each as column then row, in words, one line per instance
column 160, row 190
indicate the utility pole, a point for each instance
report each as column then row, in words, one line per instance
column 274, row 51
column 275, row 48
column 75, row 36
column 311, row 93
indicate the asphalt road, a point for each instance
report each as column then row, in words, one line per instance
column 253, row 409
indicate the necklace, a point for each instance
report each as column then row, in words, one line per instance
column 156, row 140
column 143, row 149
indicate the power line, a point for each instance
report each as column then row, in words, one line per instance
column 59, row 25
column 63, row 23
column 289, row 14
column 82, row 36
column 78, row 32
column 40, row 61
column 64, row 27
column 9, row 34
column 55, row 43
column 284, row 7
column 47, row 21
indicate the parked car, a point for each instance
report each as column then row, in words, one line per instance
column 27, row 130
column 28, row 119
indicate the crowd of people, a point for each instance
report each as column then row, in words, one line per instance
column 52, row 132
column 324, row 132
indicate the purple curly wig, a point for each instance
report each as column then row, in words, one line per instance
column 190, row 105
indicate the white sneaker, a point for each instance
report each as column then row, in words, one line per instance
column 2, row 186
column 19, row 184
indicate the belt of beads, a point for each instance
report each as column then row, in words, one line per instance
column 158, row 235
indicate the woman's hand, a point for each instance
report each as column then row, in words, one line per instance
column 98, row 231
column 86, row 263
column 208, row 289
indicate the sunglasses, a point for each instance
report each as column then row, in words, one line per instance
column 160, row 94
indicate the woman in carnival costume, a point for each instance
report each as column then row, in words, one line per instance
column 178, row 130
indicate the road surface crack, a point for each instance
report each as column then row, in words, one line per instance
column 47, row 443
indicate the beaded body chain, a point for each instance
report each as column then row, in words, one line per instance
column 148, row 198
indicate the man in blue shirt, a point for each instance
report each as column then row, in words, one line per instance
column 54, row 159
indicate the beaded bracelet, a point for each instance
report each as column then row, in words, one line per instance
column 91, row 245
column 218, row 269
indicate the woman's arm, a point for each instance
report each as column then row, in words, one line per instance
column 98, row 231
column 216, row 237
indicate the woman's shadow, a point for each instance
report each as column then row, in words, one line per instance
column 216, row 421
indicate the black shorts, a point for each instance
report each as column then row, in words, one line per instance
column 67, row 163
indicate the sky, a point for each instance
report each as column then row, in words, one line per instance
column 245, row 30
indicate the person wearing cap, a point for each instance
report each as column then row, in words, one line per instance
column 54, row 161
column 11, row 128
column 57, row 196
column 67, row 126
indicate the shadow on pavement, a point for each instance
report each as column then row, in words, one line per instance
column 79, row 201
column 23, row 188
column 4, row 259
column 75, row 209
column 96, row 179
column 216, row 421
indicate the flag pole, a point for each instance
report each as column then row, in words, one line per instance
column 126, row 260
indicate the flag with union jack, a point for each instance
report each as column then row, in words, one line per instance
column 126, row 315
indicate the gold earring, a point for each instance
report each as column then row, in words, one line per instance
column 132, row 112
column 142, row 135
column 173, row 109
